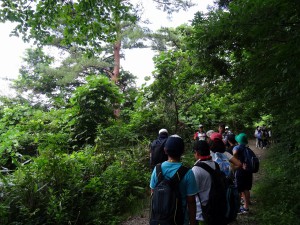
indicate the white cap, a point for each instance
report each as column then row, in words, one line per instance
column 208, row 133
column 201, row 125
column 163, row 131
column 226, row 127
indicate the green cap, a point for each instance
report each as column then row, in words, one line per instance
column 242, row 138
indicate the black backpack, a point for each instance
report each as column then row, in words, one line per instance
column 232, row 202
column 214, row 212
column 158, row 154
column 166, row 204
column 251, row 160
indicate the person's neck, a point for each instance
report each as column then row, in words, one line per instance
column 204, row 158
column 170, row 159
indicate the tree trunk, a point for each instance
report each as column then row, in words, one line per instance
column 116, row 72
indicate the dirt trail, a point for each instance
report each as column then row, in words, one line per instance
column 245, row 219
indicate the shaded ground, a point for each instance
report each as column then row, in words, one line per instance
column 244, row 219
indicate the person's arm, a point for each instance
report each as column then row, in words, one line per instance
column 235, row 154
column 236, row 163
column 191, row 203
column 195, row 135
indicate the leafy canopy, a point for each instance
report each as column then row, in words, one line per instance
column 87, row 23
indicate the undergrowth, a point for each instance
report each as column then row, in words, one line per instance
column 79, row 188
column 279, row 189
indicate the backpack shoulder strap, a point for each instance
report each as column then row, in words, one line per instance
column 180, row 173
column 207, row 167
column 217, row 166
column 159, row 173
column 163, row 143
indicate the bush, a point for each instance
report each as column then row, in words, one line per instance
column 77, row 188
column 278, row 191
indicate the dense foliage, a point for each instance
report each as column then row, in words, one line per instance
column 254, row 46
column 74, row 145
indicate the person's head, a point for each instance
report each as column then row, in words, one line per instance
column 201, row 148
column 216, row 143
column 208, row 133
column 174, row 146
column 231, row 139
column 163, row 132
column 242, row 139
column 201, row 128
column 221, row 128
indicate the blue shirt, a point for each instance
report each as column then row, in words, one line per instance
column 188, row 185
column 240, row 151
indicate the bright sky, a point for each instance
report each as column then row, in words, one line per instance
column 138, row 61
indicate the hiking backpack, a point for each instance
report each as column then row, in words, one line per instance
column 232, row 194
column 251, row 160
column 223, row 163
column 232, row 202
column 214, row 212
column 157, row 153
column 166, row 204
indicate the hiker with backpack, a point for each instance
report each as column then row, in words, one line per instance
column 218, row 200
column 157, row 153
column 226, row 161
column 265, row 137
column 258, row 135
column 244, row 175
column 211, row 199
column 173, row 188
column 227, row 164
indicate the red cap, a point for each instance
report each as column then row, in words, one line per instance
column 215, row 135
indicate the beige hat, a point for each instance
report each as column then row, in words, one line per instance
column 208, row 133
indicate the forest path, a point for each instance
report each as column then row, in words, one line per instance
column 244, row 219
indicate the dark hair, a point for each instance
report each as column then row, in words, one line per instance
column 231, row 138
column 222, row 125
column 163, row 135
column 201, row 147
column 217, row 145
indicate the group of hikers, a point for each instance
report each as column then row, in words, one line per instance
column 263, row 137
column 213, row 191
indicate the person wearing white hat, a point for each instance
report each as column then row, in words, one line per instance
column 157, row 154
column 208, row 133
column 200, row 134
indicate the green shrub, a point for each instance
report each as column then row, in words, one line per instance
column 77, row 188
column 279, row 191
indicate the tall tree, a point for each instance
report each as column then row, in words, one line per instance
column 88, row 24
column 254, row 45
column 254, row 50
